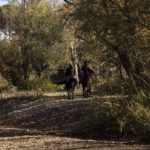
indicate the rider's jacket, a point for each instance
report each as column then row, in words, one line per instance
column 87, row 70
column 69, row 73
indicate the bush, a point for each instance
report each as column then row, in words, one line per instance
column 109, row 87
column 45, row 85
column 42, row 84
column 3, row 84
column 128, row 117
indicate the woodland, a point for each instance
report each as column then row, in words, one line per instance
column 38, row 36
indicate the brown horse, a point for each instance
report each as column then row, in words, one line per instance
column 85, row 79
column 86, row 85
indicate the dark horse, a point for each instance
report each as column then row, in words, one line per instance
column 70, row 87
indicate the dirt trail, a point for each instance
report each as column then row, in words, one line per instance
column 61, row 143
column 48, row 122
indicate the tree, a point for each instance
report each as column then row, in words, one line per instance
column 34, row 29
column 122, row 27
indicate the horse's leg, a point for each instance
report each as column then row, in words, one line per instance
column 73, row 92
column 73, row 88
column 84, row 88
column 89, row 87
column 84, row 91
column 68, row 93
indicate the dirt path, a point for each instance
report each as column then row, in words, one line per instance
column 61, row 143
column 50, row 123
column 46, row 114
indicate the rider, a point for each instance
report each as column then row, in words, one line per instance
column 69, row 73
column 87, row 71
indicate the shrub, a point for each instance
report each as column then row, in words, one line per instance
column 44, row 84
column 109, row 87
column 3, row 84
column 126, row 117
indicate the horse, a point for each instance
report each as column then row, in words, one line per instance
column 86, row 81
column 86, row 85
column 70, row 87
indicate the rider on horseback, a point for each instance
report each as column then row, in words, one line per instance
column 69, row 73
column 87, row 69
column 70, row 81
column 87, row 72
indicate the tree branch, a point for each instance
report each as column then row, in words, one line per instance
column 129, row 17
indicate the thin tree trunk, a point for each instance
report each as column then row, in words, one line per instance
column 74, row 61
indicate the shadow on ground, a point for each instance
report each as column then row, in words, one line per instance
column 51, row 123
column 45, row 115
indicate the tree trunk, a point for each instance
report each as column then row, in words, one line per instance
column 74, row 61
column 128, row 66
column 25, row 66
column 134, row 71
column 25, row 73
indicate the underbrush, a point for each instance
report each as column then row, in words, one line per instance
column 109, row 86
column 3, row 84
column 127, row 117
column 43, row 84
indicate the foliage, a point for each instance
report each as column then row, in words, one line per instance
column 34, row 43
column 109, row 86
column 115, row 33
column 126, row 117
column 3, row 84
column 45, row 85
